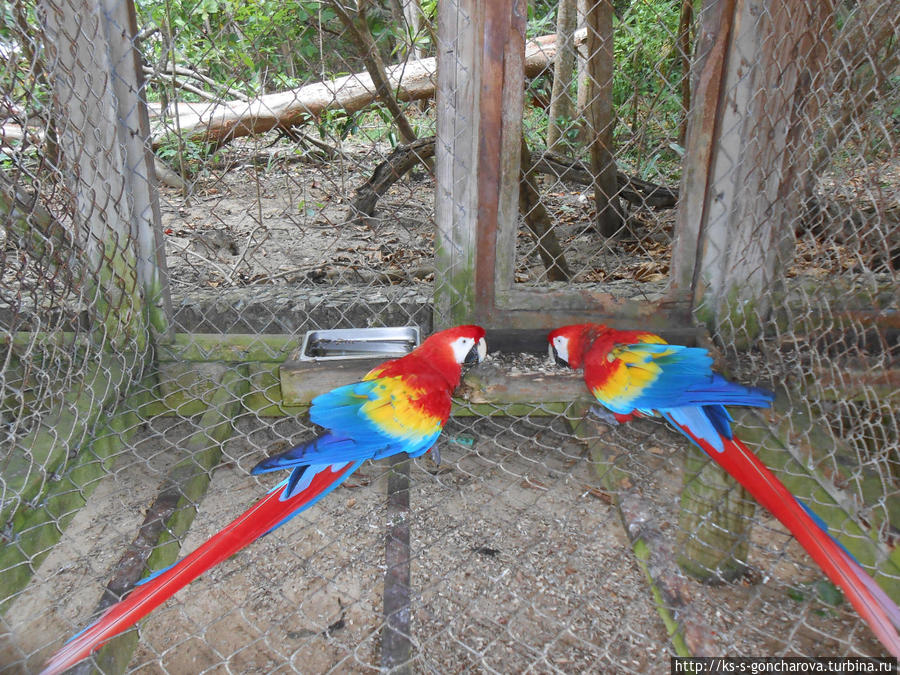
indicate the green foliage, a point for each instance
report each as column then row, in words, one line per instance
column 645, row 88
column 541, row 18
column 254, row 46
column 645, row 47
column 21, row 79
column 184, row 155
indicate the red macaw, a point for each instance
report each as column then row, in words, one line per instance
column 399, row 406
column 638, row 373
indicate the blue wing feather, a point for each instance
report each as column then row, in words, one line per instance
column 339, row 409
column 687, row 392
column 685, row 378
column 352, row 434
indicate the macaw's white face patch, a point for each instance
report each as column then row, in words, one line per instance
column 463, row 346
column 559, row 348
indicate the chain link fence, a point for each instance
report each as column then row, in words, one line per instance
column 186, row 189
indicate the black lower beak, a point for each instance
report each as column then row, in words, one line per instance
column 473, row 357
column 558, row 361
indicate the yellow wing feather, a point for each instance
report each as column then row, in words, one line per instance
column 396, row 412
column 629, row 372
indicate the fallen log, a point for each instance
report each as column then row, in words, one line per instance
column 632, row 189
column 219, row 123
column 402, row 159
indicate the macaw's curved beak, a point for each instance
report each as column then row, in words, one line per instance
column 477, row 353
column 556, row 358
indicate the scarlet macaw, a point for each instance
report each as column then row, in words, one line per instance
column 638, row 373
column 399, row 406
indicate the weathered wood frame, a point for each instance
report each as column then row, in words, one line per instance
column 747, row 158
column 480, row 104
column 741, row 191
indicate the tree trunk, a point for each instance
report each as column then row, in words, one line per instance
column 602, row 119
column 685, row 44
column 220, row 123
column 358, row 28
column 583, row 86
column 539, row 222
column 562, row 107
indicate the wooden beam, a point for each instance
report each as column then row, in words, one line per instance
column 64, row 428
column 480, row 101
column 714, row 38
column 744, row 174
column 487, row 383
column 36, row 529
column 715, row 517
column 170, row 516
column 524, row 307
column 230, row 347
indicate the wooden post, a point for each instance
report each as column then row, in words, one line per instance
column 479, row 100
column 140, row 176
column 748, row 145
column 94, row 161
column 748, row 154
column 713, row 45
column 714, row 518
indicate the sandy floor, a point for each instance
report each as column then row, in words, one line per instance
column 519, row 564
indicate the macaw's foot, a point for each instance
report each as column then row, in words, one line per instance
column 611, row 418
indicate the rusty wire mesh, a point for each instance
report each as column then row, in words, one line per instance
column 146, row 311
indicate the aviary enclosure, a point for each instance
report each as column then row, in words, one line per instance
column 186, row 189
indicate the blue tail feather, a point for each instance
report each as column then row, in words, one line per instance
column 328, row 448
column 287, row 495
column 824, row 527
column 721, row 419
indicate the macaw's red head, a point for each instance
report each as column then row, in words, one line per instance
column 448, row 350
column 568, row 344
column 444, row 352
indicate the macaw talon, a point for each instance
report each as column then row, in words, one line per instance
column 607, row 417
column 436, row 455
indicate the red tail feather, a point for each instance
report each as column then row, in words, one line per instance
column 264, row 515
column 874, row 606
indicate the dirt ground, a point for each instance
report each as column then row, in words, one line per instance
column 520, row 560
column 520, row 563
column 288, row 221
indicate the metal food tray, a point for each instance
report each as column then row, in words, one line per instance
column 358, row 343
